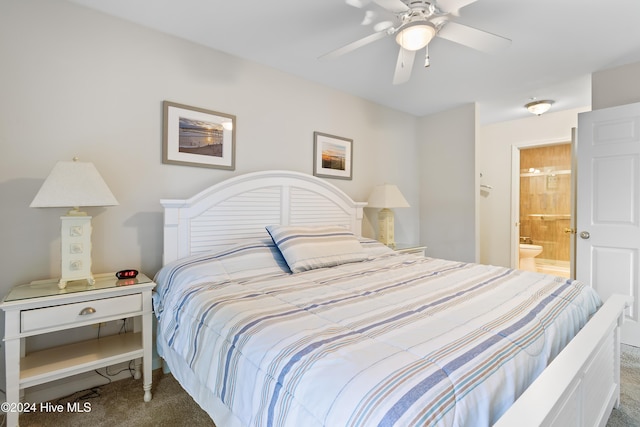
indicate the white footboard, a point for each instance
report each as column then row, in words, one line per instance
column 582, row 384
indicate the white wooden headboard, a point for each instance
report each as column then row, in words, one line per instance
column 240, row 208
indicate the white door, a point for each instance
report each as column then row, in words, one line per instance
column 608, row 207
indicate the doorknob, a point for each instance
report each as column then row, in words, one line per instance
column 585, row 234
column 570, row 231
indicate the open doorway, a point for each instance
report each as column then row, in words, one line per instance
column 542, row 208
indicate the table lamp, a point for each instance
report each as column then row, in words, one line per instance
column 386, row 196
column 74, row 184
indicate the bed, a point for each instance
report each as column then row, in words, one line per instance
column 273, row 311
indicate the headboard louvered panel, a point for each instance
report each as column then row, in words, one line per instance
column 235, row 219
column 309, row 208
column 239, row 209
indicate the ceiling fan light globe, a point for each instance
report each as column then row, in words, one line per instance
column 415, row 37
column 539, row 107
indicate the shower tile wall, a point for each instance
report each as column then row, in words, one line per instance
column 545, row 199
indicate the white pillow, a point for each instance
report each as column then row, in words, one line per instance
column 307, row 248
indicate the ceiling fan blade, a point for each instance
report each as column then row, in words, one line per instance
column 404, row 65
column 357, row 3
column 354, row 45
column 382, row 26
column 395, row 6
column 452, row 6
column 369, row 16
column 473, row 38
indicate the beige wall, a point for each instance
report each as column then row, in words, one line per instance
column 615, row 86
column 76, row 82
column 448, row 183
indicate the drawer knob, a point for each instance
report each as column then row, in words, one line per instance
column 87, row 310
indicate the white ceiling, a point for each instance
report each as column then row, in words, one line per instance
column 556, row 45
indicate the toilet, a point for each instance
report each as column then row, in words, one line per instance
column 528, row 252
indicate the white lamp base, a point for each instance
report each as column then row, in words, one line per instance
column 75, row 245
column 385, row 227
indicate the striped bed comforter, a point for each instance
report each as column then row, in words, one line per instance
column 393, row 340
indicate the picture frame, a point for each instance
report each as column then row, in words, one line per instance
column 197, row 137
column 332, row 156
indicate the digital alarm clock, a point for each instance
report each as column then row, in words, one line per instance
column 127, row 274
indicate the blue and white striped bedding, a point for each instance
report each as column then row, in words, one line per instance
column 394, row 340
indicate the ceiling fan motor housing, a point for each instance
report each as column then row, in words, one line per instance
column 418, row 10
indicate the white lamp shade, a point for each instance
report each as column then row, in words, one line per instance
column 415, row 36
column 387, row 196
column 73, row 184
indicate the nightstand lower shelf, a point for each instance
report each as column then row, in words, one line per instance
column 60, row 362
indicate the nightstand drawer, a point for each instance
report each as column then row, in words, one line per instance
column 95, row 310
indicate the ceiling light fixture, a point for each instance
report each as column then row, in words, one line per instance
column 539, row 107
column 415, row 35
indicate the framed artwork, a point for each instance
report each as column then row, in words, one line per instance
column 332, row 156
column 197, row 137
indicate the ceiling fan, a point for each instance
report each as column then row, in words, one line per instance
column 417, row 23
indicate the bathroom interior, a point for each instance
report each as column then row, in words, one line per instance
column 545, row 209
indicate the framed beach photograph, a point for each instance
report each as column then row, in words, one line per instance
column 332, row 156
column 198, row 137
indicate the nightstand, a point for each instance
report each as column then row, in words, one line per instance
column 414, row 249
column 41, row 307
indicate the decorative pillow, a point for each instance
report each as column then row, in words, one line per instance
column 307, row 248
